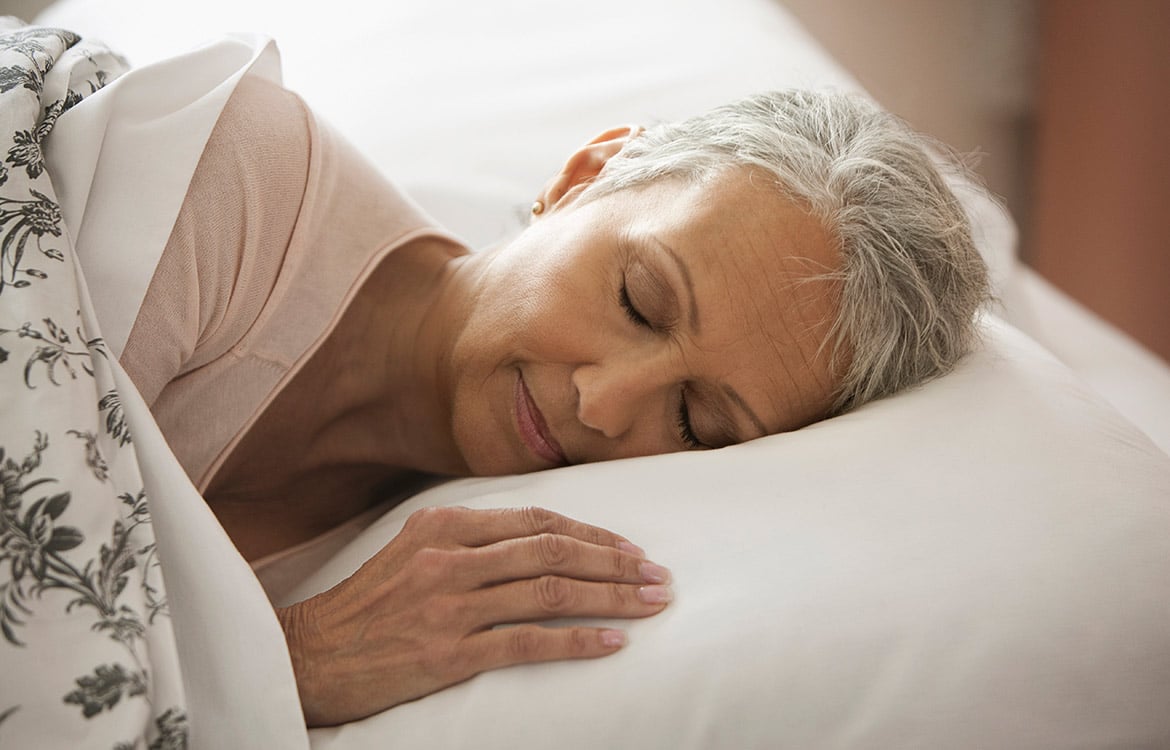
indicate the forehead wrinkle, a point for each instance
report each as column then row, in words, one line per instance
column 784, row 311
column 745, row 324
column 764, row 233
column 785, row 393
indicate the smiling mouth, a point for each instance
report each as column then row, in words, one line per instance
column 533, row 431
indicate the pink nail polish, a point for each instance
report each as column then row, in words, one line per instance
column 653, row 573
column 613, row 638
column 655, row 594
column 633, row 549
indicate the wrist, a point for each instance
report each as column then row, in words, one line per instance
column 299, row 630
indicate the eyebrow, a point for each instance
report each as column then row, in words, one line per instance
column 730, row 392
column 693, row 318
column 734, row 396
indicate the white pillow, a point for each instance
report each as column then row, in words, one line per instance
column 980, row 562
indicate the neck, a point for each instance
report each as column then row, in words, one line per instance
column 384, row 396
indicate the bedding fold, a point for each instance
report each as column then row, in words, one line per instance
column 127, row 618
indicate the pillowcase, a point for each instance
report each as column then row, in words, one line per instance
column 979, row 562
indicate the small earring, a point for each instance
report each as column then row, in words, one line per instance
column 537, row 208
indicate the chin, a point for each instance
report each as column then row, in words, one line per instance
column 484, row 453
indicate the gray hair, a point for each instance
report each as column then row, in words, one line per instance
column 912, row 279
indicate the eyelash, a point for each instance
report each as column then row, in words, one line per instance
column 683, row 420
column 631, row 311
column 684, row 425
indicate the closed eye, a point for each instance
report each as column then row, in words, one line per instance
column 683, row 420
column 685, row 433
column 631, row 312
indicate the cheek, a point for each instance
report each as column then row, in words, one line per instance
column 541, row 314
column 479, row 428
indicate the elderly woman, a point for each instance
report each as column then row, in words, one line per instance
column 311, row 343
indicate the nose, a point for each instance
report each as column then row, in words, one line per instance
column 613, row 393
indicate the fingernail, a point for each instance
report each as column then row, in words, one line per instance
column 655, row 594
column 633, row 549
column 652, row 573
column 613, row 638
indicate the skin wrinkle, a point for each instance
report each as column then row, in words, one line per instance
column 783, row 394
column 721, row 413
column 608, row 387
column 700, row 408
column 871, row 178
column 785, row 286
column 702, row 402
column 781, row 287
column 686, row 275
column 652, row 295
column 706, row 406
column 779, row 389
column 817, row 319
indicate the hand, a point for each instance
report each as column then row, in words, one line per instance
column 419, row 615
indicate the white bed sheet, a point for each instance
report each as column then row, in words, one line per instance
column 1133, row 379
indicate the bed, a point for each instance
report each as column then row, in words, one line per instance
column 980, row 562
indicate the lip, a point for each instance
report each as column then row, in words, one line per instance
column 533, row 430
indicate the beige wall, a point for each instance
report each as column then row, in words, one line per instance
column 1102, row 198
column 960, row 70
column 23, row 9
column 1069, row 101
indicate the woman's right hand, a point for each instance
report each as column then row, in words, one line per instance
column 421, row 614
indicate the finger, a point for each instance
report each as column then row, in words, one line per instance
column 534, row 556
column 551, row 597
column 476, row 528
column 527, row 644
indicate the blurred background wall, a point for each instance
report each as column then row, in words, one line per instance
column 1101, row 197
column 1067, row 101
column 960, row 70
column 1062, row 105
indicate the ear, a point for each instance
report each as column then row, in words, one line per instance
column 583, row 165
